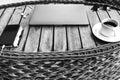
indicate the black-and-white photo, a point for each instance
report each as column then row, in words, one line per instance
column 59, row 40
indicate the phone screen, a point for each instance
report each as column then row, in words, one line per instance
column 9, row 34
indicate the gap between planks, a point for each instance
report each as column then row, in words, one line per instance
column 73, row 38
column 24, row 23
column 5, row 18
column 46, row 41
column 33, row 39
column 114, row 14
column 94, row 19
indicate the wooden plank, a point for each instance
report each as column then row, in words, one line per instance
column 86, row 38
column 23, row 39
column 15, row 19
column 73, row 38
column 46, row 39
column 94, row 19
column 102, row 14
column 24, row 23
column 1, row 11
column 5, row 18
column 114, row 14
column 33, row 39
column 60, row 39
column 27, row 14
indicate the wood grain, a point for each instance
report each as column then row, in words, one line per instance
column 73, row 38
column 60, row 39
column 85, row 31
column 102, row 14
column 15, row 20
column 46, row 39
column 33, row 39
column 16, row 17
column 1, row 11
column 23, row 39
column 5, row 18
column 25, row 24
column 94, row 19
column 86, row 37
column 115, row 15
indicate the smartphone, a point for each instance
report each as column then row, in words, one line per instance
column 11, row 35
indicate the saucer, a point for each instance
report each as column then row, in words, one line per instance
column 96, row 31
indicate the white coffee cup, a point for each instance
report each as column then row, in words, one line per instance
column 109, row 27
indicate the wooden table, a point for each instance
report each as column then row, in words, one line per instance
column 76, row 44
column 55, row 38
